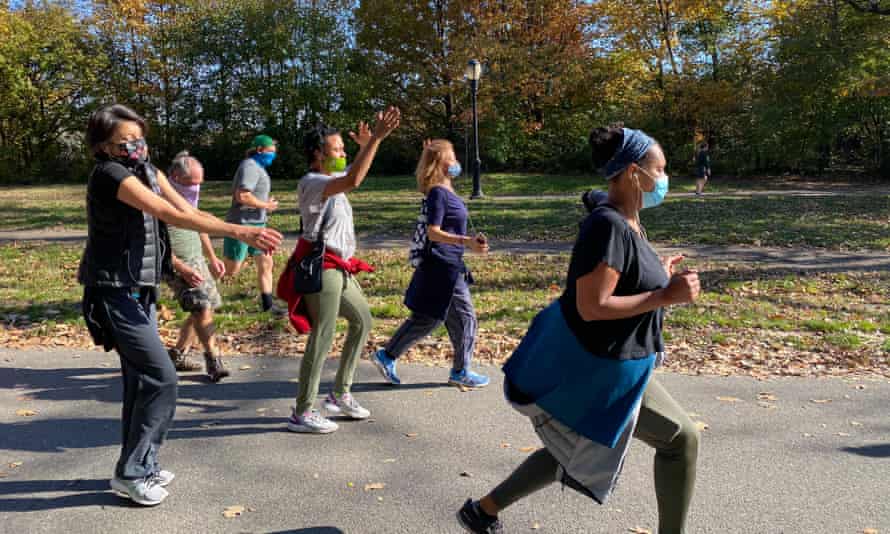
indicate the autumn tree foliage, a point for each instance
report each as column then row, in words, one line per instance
column 773, row 85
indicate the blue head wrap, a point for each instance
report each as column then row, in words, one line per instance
column 633, row 148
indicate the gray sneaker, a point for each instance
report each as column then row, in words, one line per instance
column 145, row 491
column 345, row 405
column 311, row 422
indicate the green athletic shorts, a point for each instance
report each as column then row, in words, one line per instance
column 237, row 250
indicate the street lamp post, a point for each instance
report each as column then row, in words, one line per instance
column 473, row 73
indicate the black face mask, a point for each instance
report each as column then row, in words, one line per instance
column 137, row 153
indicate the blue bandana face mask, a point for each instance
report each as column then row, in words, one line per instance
column 264, row 158
column 454, row 170
column 656, row 196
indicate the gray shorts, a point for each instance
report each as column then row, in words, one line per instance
column 194, row 299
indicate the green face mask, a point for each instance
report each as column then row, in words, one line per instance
column 333, row 164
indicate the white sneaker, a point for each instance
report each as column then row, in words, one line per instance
column 164, row 478
column 345, row 405
column 144, row 491
column 311, row 422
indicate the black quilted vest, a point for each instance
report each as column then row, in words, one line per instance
column 125, row 246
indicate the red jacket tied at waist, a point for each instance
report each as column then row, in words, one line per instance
column 296, row 308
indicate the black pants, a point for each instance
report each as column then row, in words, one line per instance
column 125, row 319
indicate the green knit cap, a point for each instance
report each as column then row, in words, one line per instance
column 262, row 141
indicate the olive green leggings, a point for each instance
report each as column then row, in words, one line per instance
column 340, row 296
column 664, row 426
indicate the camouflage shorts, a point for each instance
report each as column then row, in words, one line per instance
column 193, row 299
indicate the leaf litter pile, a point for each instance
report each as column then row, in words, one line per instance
column 749, row 320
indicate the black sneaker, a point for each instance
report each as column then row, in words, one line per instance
column 473, row 519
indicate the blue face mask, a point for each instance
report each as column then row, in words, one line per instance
column 264, row 159
column 656, row 196
column 454, row 170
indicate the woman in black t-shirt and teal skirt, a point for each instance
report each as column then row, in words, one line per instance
column 583, row 372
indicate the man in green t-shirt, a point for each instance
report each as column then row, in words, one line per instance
column 193, row 282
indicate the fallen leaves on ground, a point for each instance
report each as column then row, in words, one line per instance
column 245, row 367
column 527, row 449
column 820, row 401
column 466, row 474
column 535, row 525
column 639, row 530
column 375, row 486
column 24, row 412
column 15, row 465
column 701, row 426
column 411, row 435
column 729, row 399
column 869, row 531
column 233, row 511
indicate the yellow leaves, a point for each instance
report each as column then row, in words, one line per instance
column 639, row 530
column 24, row 412
column 527, row 449
column 233, row 511
column 375, row 486
column 411, row 435
column 729, row 399
column 820, row 401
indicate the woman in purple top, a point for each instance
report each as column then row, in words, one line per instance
column 440, row 288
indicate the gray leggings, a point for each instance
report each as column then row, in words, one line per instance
column 675, row 457
column 460, row 321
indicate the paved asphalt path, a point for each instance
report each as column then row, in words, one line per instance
column 801, row 467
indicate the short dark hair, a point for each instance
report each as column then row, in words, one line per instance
column 104, row 121
column 314, row 139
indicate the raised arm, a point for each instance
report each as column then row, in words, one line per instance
column 385, row 123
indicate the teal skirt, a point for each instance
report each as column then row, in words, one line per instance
column 592, row 395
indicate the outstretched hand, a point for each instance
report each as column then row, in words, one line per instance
column 385, row 122
column 363, row 136
column 265, row 239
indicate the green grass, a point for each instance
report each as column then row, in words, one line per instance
column 386, row 206
column 745, row 312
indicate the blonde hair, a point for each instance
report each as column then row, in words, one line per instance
column 429, row 171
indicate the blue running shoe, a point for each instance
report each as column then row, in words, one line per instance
column 386, row 366
column 467, row 379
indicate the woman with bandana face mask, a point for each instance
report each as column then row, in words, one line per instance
column 440, row 287
column 583, row 372
column 128, row 200
column 327, row 215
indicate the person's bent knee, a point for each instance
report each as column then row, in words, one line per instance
column 686, row 443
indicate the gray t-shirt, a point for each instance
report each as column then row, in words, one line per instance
column 339, row 233
column 252, row 177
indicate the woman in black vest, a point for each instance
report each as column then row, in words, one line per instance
column 126, row 251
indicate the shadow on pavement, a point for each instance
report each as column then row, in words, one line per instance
column 310, row 530
column 91, row 492
column 58, row 435
column 103, row 384
column 872, row 451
